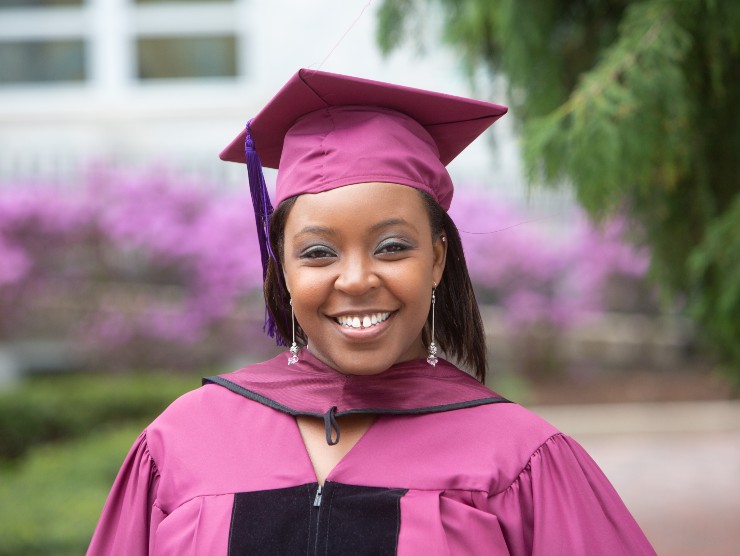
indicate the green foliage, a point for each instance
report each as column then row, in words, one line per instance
column 716, row 261
column 51, row 504
column 635, row 104
column 64, row 407
column 626, row 124
column 51, row 499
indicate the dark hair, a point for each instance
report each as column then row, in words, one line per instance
column 458, row 325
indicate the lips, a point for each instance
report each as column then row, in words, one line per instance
column 361, row 321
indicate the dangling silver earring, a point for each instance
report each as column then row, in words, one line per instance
column 293, row 347
column 432, row 358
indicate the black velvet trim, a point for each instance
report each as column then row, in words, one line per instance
column 350, row 520
column 272, row 522
column 359, row 521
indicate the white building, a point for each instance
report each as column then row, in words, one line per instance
column 142, row 81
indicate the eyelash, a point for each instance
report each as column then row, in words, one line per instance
column 317, row 252
column 322, row 252
column 394, row 246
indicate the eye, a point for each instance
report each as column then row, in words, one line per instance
column 317, row 252
column 392, row 246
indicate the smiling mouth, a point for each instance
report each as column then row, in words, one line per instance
column 362, row 321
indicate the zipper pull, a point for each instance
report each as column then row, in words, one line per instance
column 317, row 500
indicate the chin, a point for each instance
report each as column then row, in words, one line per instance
column 365, row 363
column 363, row 366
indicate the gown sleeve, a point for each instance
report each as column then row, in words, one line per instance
column 129, row 512
column 562, row 504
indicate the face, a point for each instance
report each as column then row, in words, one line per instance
column 360, row 264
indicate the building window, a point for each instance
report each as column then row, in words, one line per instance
column 42, row 61
column 180, row 1
column 37, row 3
column 176, row 57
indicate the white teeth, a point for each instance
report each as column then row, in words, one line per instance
column 365, row 321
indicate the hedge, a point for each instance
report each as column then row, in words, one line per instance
column 65, row 407
column 51, row 503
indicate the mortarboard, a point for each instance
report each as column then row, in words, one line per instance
column 323, row 130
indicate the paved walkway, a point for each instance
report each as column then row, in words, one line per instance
column 676, row 466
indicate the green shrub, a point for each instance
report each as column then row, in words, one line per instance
column 51, row 502
column 64, row 407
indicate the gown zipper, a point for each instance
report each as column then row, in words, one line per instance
column 316, row 520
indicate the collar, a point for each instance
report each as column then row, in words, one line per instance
column 310, row 387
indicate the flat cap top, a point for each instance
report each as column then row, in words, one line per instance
column 452, row 122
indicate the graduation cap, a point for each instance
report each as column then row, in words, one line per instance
column 323, row 130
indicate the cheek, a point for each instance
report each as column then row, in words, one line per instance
column 421, row 297
column 413, row 284
column 308, row 286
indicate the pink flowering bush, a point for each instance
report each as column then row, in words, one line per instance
column 147, row 270
column 128, row 266
column 545, row 275
column 540, row 270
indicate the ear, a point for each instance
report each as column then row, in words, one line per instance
column 439, row 249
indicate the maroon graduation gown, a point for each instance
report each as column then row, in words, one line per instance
column 447, row 468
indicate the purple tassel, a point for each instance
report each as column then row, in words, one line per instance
column 262, row 211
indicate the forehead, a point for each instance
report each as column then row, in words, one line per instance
column 358, row 207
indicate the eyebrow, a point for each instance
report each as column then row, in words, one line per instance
column 390, row 222
column 322, row 230
column 325, row 230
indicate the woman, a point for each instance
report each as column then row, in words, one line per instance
column 360, row 439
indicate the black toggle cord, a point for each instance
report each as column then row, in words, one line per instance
column 331, row 426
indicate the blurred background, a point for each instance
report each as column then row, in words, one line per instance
column 601, row 221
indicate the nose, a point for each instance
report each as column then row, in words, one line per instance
column 357, row 275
